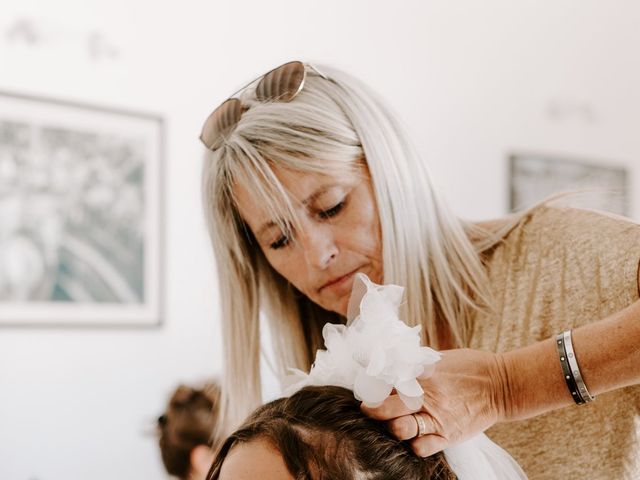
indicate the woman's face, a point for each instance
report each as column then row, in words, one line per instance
column 254, row 459
column 339, row 234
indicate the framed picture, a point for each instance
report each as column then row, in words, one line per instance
column 534, row 177
column 80, row 214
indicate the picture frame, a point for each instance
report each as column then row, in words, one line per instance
column 81, row 214
column 589, row 184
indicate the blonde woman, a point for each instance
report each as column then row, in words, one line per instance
column 309, row 180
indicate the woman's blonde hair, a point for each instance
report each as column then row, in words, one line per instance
column 333, row 125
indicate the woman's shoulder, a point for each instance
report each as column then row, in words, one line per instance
column 562, row 233
column 576, row 216
column 578, row 244
column 548, row 231
column 548, row 223
column 577, row 226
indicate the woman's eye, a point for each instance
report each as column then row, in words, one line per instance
column 283, row 241
column 333, row 211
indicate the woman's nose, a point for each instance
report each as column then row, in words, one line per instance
column 318, row 243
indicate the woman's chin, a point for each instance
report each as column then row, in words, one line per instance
column 340, row 306
column 337, row 305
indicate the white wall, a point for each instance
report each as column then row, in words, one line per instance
column 472, row 81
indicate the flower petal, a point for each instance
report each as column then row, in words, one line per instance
column 358, row 291
column 370, row 390
column 377, row 362
column 411, row 388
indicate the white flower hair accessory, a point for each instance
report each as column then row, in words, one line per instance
column 374, row 353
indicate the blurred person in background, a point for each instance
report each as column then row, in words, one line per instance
column 185, row 431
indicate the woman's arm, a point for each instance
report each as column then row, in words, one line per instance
column 472, row 390
column 607, row 351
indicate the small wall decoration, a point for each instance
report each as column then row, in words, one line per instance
column 80, row 214
column 596, row 186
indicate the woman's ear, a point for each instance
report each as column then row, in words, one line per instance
column 201, row 458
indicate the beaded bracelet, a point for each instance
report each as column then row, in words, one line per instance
column 570, row 369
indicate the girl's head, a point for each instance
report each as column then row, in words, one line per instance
column 319, row 433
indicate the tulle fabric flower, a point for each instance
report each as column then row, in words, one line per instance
column 374, row 353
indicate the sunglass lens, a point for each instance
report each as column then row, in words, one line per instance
column 281, row 84
column 221, row 123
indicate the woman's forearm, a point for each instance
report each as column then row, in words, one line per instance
column 471, row 390
column 608, row 352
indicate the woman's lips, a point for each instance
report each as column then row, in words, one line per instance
column 340, row 285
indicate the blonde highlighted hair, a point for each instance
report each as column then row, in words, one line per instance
column 333, row 125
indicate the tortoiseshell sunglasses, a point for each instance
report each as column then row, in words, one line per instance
column 282, row 84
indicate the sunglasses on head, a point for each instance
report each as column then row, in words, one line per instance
column 282, row 84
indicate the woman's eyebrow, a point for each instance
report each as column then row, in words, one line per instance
column 268, row 225
column 314, row 196
column 318, row 193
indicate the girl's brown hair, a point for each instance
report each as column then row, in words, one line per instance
column 322, row 434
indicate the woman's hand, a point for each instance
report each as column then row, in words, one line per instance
column 470, row 390
column 466, row 393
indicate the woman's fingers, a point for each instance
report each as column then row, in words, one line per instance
column 461, row 398
column 392, row 407
column 428, row 444
column 403, row 428
column 407, row 427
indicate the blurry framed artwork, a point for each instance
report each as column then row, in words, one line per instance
column 592, row 185
column 80, row 214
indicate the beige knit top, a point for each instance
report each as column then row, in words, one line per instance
column 558, row 269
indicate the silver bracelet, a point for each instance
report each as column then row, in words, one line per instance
column 575, row 370
column 566, row 370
